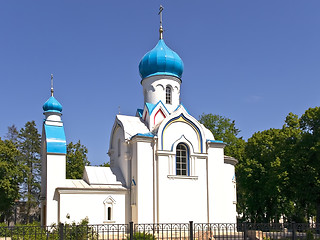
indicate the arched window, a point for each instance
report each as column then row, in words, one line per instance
column 168, row 95
column 182, row 160
column 109, row 203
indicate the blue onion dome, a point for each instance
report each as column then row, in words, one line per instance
column 52, row 105
column 161, row 60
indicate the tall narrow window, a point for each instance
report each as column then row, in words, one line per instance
column 109, row 203
column 109, row 214
column 168, row 95
column 182, row 160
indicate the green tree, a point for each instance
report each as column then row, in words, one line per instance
column 76, row 160
column 309, row 161
column 107, row 164
column 224, row 129
column 29, row 147
column 268, row 175
column 261, row 177
column 10, row 177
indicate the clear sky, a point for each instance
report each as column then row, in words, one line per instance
column 248, row 60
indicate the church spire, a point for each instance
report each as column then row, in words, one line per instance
column 160, row 29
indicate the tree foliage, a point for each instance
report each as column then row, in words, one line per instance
column 76, row 160
column 29, row 147
column 224, row 129
column 10, row 177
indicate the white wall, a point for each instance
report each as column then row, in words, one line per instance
column 182, row 199
column 154, row 90
column 122, row 160
column 222, row 209
column 56, row 175
column 81, row 205
column 143, row 176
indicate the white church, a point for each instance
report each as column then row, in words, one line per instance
column 165, row 167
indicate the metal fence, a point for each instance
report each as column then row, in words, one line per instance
column 169, row 231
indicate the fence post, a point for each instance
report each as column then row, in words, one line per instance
column 191, row 230
column 294, row 231
column 131, row 230
column 244, row 230
column 61, row 227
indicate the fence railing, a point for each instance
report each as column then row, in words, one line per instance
column 165, row 231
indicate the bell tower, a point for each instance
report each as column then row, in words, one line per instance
column 53, row 159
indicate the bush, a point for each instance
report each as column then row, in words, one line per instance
column 142, row 236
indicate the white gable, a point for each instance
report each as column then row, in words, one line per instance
column 131, row 126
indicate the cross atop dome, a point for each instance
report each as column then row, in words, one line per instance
column 161, row 29
column 52, row 104
column 161, row 60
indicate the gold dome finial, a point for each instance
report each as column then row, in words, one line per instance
column 51, row 85
column 161, row 29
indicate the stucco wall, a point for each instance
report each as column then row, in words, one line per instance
column 91, row 205
column 182, row 199
column 56, row 175
column 154, row 90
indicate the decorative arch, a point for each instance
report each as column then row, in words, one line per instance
column 182, row 118
column 184, row 140
column 108, row 209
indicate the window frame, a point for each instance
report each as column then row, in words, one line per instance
column 168, row 95
column 108, row 209
column 186, row 156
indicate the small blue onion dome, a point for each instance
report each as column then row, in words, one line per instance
column 161, row 60
column 52, row 105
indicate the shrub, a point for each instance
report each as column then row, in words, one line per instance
column 142, row 236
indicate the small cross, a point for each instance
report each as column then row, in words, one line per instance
column 160, row 13
column 161, row 29
column 51, row 84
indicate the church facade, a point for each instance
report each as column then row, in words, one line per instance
column 165, row 167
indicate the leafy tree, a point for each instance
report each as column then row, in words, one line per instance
column 29, row 147
column 261, row 176
column 107, row 164
column 76, row 160
column 224, row 129
column 309, row 164
column 270, row 177
column 10, row 177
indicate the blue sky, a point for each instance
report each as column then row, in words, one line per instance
column 248, row 60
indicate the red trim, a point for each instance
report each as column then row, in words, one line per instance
column 154, row 119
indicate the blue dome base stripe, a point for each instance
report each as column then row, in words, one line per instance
column 55, row 139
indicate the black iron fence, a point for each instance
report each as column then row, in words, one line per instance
column 170, row 231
